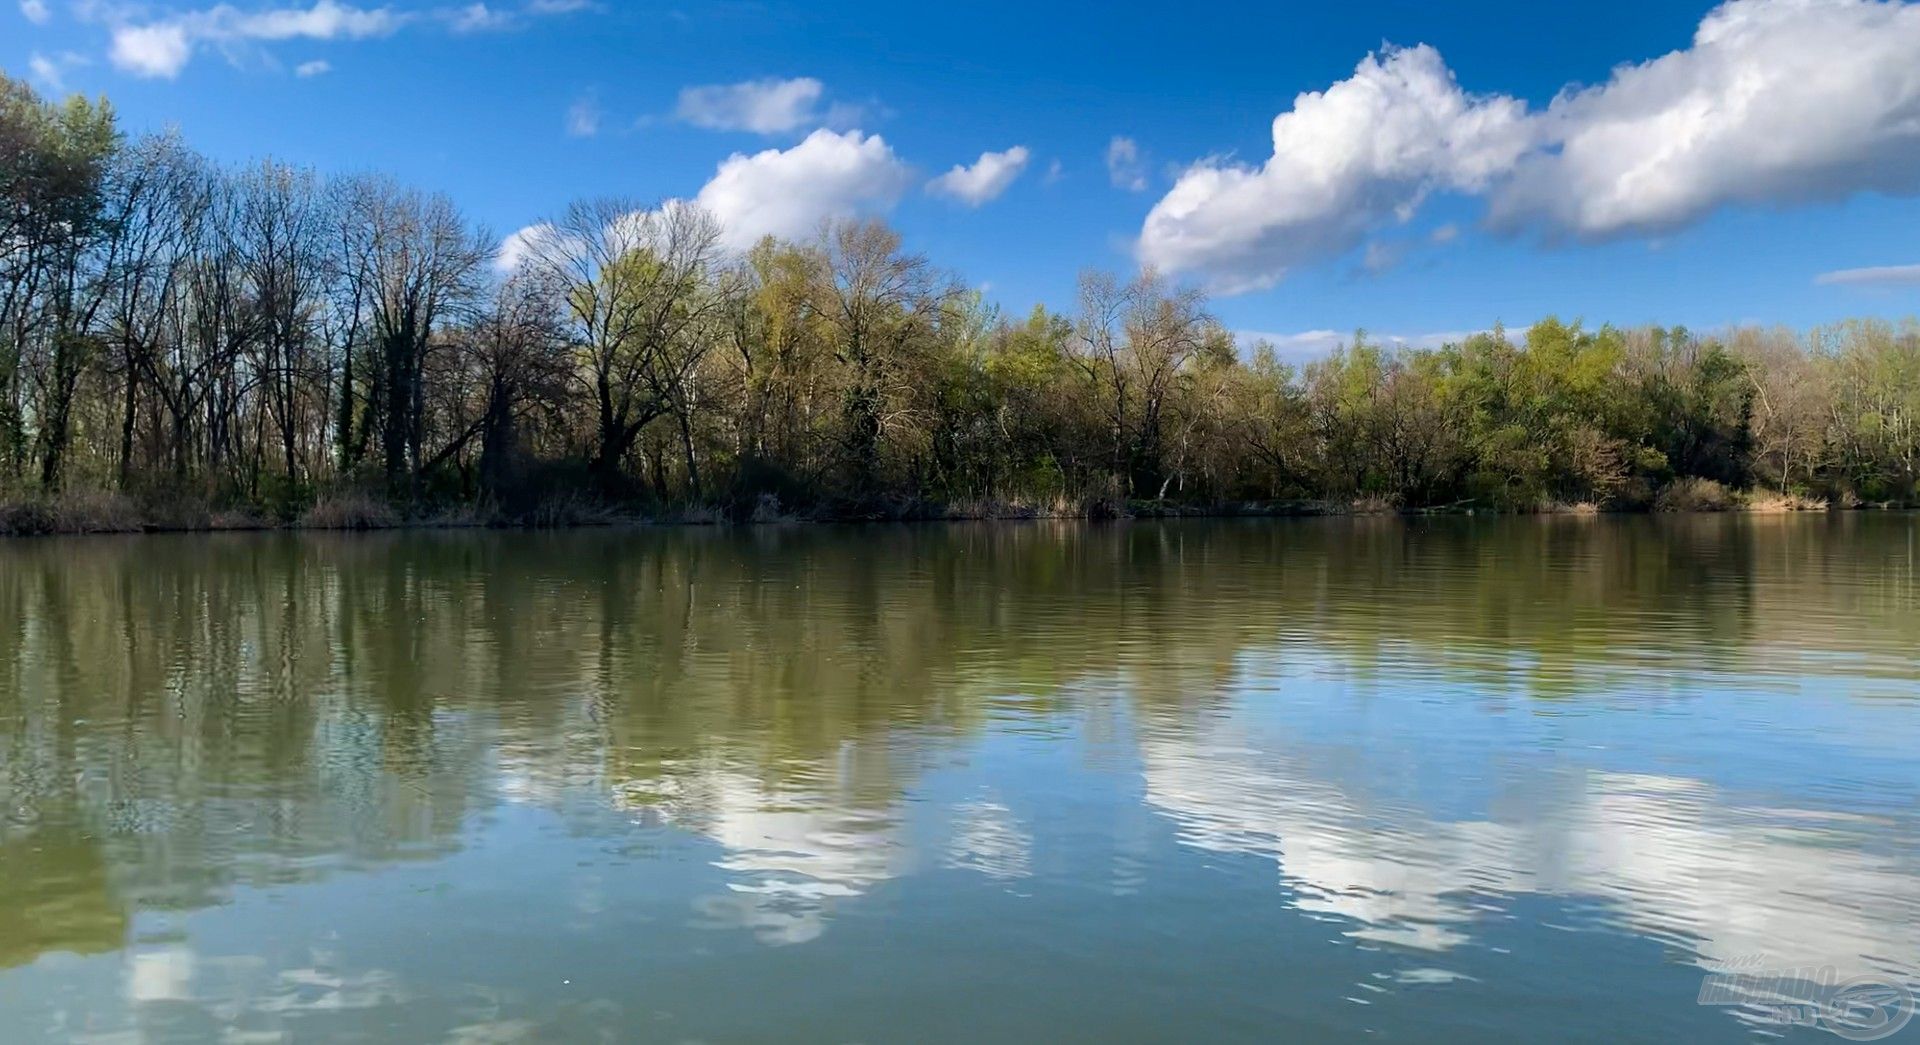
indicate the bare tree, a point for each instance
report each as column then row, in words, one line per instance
column 281, row 247
column 418, row 263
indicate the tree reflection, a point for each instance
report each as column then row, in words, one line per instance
column 182, row 715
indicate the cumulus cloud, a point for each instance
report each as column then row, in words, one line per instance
column 1879, row 276
column 516, row 250
column 766, row 106
column 1125, row 168
column 317, row 67
column 788, row 192
column 158, row 51
column 35, row 11
column 776, row 192
column 1348, row 160
column 989, row 176
column 1775, row 102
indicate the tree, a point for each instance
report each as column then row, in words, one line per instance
column 282, row 238
column 880, row 308
column 59, row 162
column 638, row 307
column 416, row 262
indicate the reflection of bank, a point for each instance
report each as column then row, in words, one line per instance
column 174, row 836
column 1673, row 860
column 55, row 896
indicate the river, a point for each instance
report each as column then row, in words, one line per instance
column 1309, row 780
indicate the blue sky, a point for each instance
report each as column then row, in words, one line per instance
column 1703, row 164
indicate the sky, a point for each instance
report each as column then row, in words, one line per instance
column 1419, row 170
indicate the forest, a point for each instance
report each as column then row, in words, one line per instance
column 185, row 344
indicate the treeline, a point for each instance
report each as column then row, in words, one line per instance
column 193, row 338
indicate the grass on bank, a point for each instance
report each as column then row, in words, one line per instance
column 89, row 511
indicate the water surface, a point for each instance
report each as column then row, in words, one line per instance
column 1308, row 780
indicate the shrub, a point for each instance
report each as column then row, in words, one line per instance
column 766, row 510
column 349, row 511
column 1769, row 502
column 562, row 510
column 72, row 511
column 1694, row 495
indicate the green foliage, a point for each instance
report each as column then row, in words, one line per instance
column 259, row 338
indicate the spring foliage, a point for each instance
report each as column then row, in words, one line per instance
column 258, row 338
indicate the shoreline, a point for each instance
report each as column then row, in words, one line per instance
column 40, row 521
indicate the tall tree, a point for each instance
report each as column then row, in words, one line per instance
column 418, row 263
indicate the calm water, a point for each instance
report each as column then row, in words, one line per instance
column 1296, row 780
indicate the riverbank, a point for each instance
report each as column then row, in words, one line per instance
column 100, row 512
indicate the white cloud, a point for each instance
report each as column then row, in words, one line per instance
column 45, row 71
column 156, row 51
column 161, row 47
column 1776, row 102
column 518, row 249
column 1306, row 346
column 35, row 11
column 51, row 70
column 767, row 106
column 1296, row 347
column 325, row 20
column 317, row 67
column 788, row 192
column 1880, row 276
column 989, row 176
column 775, row 192
column 1124, row 166
column 1445, row 234
column 583, row 117
column 479, row 18
column 1348, row 160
